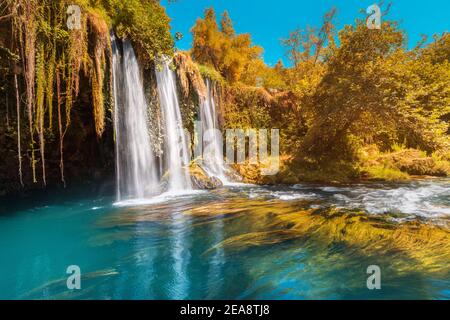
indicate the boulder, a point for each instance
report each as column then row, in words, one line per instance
column 201, row 180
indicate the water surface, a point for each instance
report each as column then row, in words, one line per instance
column 242, row 242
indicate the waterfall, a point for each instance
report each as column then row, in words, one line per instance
column 140, row 174
column 136, row 166
column 176, row 154
column 213, row 161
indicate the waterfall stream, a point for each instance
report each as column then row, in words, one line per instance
column 213, row 161
column 136, row 166
column 140, row 174
column 176, row 155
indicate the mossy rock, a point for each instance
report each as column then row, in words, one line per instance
column 399, row 164
column 201, row 180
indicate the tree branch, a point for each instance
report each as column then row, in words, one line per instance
column 6, row 17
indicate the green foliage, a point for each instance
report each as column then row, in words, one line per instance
column 247, row 107
column 51, row 60
column 145, row 22
column 373, row 89
column 211, row 73
column 356, row 87
column 339, row 96
column 401, row 160
column 386, row 174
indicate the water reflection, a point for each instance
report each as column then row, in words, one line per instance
column 180, row 252
column 145, row 254
column 216, row 261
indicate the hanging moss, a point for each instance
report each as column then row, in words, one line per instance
column 40, row 87
column 49, row 90
column 189, row 75
column 102, row 44
column 25, row 29
column 77, row 57
column 54, row 59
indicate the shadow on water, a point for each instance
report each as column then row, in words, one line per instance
column 15, row 203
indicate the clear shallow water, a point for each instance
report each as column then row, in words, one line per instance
column 243, row 242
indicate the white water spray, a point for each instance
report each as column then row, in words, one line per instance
column 176, row 148
column 213, row 161
column 136, row 172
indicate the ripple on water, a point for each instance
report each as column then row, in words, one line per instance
column 424, row 199
column 276, row 242
column 287, row 196
column 427, row 201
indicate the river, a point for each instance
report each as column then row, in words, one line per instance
column 237, row 242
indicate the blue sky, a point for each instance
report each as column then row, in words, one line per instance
column 268, row 21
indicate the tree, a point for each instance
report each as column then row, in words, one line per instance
column 362, row 84
column 305, row 45
column 226, row 25
column 145, row 23
column 228, row 53
column 207, row 40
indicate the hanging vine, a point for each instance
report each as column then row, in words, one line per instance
column 102, row 44
column 40, row 84
column 25, row 24
column 60, row 128
column 53, row 59
column 19, row 146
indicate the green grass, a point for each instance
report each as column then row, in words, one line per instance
column 211, row 73
column 386, row 174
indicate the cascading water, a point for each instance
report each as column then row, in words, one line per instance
column 136, row 172
column 176, row 148
column 213, row 161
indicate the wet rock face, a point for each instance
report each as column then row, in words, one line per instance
column 201, row 180
column 216, row 182
column 205, row 182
